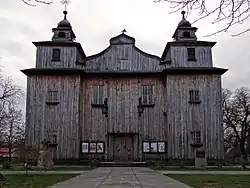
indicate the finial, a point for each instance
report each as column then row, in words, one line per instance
column 65, row 14
column 183, row 14
column 124, row 31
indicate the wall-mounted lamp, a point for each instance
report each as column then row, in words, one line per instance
column 105, row 107
column 140, row 107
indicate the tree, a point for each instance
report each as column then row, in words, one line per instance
column 10, row 115
column 236, row 118
column 231, row 11
column 14, row 129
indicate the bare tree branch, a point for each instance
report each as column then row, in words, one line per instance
column 34, row 2
column 236, row 117
column 230, row 11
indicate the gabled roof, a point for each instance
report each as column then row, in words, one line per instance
column 122, row 39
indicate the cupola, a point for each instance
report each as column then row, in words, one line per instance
column 184, row 30
column 63, row 31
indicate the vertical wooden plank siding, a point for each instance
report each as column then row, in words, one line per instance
column 183, row 117
column 134, row 60
column 62, row 118
column 44, row 56
column 123, row 95
column 179, row 56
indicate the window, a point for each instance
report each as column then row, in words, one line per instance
column 56, row 53
column 52, row 97
column 196, row 137
column 191, row 54
column 147, row 94
column 186, row 34
column 61, row 34
column 194, row 96
column 53, row 137
column 123, row 64
column 98, row 94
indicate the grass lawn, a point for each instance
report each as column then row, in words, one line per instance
column 56, row 168
column 33, row 181
column 214, row 181
column 209, row 168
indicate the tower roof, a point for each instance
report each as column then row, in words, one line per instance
column 184, row 22
column 64, row 22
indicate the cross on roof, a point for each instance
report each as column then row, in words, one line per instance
column 124, row 31
column 65, row 3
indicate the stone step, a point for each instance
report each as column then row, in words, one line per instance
column 123, row 164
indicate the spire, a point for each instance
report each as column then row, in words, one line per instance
column 184, row 30
column 183, row 14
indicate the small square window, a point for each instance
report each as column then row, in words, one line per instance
column 191, row 54
column 52, row 97
column 56, row 53
column 194, row 96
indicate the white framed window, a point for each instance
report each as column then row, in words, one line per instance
column 196, row 137
column 147, row 94
column 52, row 96
column 97, row 94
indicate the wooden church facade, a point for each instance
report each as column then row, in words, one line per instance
column 123, row 104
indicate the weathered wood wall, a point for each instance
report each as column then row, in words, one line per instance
column 44, row 56
column 123, row 94
column 182, row 117
column 179, row 56
column 62, row 118
column 123, row 49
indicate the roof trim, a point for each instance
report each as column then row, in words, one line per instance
column 186, row 43
column 53, row 71
column 192, row 70
column 61, row 44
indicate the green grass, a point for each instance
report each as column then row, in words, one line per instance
column 33, row 181
column 211, row 168
column 59, row 168
column 214, row 181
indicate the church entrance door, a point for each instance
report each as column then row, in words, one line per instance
column 123, row 147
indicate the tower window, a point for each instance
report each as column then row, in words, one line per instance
column 194, row 96
column 186, row 34
column 61, row 34
column 56, row 53
column 52, row 97
column 191, row 54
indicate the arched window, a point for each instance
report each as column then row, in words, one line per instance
column 186, row 34
column 61, row 34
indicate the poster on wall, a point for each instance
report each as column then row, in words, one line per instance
column 153, row 147
column 146, row 147
column 92, row 147
column 85, row 147
column 161, row 147
column 100, row 147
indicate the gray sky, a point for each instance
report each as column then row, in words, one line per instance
column 96, row 21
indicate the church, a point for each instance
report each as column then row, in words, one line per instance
column 124, row 104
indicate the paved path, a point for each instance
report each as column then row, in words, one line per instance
column 121, row 177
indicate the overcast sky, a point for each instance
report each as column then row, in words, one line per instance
column 96, row 21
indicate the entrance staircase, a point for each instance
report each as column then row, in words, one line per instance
column 124, row 164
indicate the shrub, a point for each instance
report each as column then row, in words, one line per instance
column 7, row 166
